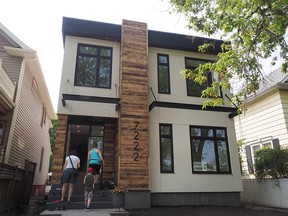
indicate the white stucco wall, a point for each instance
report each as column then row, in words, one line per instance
column 67, row 81
column 183, row 180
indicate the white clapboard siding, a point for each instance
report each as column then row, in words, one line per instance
column 29, row 137
column 264, row 117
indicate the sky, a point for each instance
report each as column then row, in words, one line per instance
column 38, row 24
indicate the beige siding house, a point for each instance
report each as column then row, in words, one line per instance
column 25, row 108
column 264, row 120
column 121, row 87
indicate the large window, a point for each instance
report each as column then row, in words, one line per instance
column 93, row 67
column 209, row 149
column 166, row 148
column 163, row 74
column 193, row 88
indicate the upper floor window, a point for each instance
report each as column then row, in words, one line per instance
column 193, row 88
column 166, row 148
column 209, row 148
column 94, row 66
column 163, row 74
column 34, row 87
column 43, row 117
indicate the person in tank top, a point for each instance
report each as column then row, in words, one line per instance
column 95, row 161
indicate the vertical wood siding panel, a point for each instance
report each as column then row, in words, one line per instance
column 133, row 121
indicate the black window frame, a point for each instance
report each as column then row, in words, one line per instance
column 98, row 59
column 171, row 147
column 215, row 139
column 168, row 73
column 210, row 80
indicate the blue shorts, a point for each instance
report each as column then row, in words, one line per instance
column 68, row 176
column 96, row 168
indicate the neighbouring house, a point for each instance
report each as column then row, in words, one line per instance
column 121, row 88
column 263, row 122
column 25, row 109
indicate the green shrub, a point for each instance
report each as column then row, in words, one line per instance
column 271, row 163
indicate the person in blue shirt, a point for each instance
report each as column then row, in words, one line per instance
column 95, row 161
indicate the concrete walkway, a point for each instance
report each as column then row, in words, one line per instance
column 80, row 212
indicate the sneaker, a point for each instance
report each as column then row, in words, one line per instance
column 87, row 209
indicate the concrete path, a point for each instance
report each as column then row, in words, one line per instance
column 80, row 212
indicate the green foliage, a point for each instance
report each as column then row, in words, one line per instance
column 271, row 163
column 52, row 135
column 252, row 30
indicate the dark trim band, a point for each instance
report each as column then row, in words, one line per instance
column 193, row 107
column 90, row 98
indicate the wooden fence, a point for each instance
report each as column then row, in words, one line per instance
column 15, row 185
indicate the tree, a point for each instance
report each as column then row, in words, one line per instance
column 52, row 135
column 251, row 30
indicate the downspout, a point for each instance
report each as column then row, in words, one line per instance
column 15, row 111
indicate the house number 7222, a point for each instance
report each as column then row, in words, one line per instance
column 136, row 143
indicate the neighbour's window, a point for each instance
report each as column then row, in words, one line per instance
column 41, row 159
column 163, row 74
column 43, row 118
column 34, row 87
column 209, row 149
column 253, row 147
column 94, row 66
column 166, row 148
column 193, row 88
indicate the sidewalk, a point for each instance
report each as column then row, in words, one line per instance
column 178, row 211
column 80, row 212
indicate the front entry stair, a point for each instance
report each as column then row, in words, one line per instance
column 102, row 199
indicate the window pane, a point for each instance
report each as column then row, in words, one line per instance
column 202, row 132
column 220, row 133
column 163, row 79
column 193, row 63
column 166, row 154
column 86, row 71
column 88, row 50
column 203, row 153
column 104, row 73
column 194, row 89
column 223, row 156
column 163, row 59
column 105, row 52
column 165, row 130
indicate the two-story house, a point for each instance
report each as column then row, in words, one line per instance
column 263, row 122
column 25, row 109
column 121, row 87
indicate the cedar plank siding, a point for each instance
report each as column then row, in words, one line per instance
column 28, row 136
column 59, row 152
column 108, row 151
column 134, row 172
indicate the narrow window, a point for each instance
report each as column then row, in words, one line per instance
column 193, row 88
column 43, row 118
column 94, row 66
column 209, row 149
column 41, row 159
column 34, row 87
column 163, row 74
column 166, row 148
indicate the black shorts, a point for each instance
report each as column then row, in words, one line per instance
column 96, row 168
